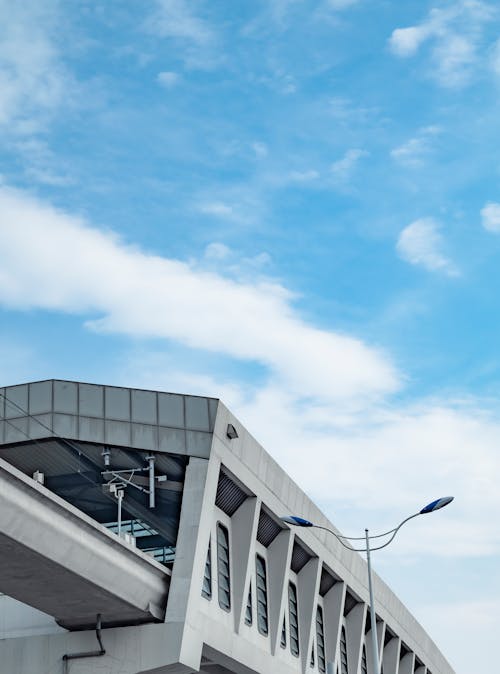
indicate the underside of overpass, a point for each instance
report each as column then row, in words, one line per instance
column 59, row 560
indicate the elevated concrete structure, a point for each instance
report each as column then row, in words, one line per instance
column 60, row 561
column 246, row 595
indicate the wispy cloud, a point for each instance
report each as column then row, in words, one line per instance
column 167, row 79
column 196, row 37
column 261, row 150
column 33, row 80
column 41, row 164
column 150, row 296
column 217, row 208
column 495, row 58
column 414, row 151
column 490, row 215
column 421, row 243
column 303, row 176
column 234, row 264
column 342, row 169
column 455, row 34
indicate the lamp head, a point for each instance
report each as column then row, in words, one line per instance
column 296, row 521
column 436, row 505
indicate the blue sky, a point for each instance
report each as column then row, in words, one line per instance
column 293, row 205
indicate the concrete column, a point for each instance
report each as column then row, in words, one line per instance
column 307, row 590
column 182, row 616
column 391, row 656
column 355, row 632
column 279, row 555
column 243, row 532
column 333, row 609
column 407, row 664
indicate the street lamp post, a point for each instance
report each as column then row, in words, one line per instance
column 429, row 508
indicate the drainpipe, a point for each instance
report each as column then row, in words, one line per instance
column 88, row 654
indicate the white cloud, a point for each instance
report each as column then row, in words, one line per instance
column 303, row 176
column 33, row 81
column 217, row 208
column 495, row 58
column 217, row 251
column 407, row 41
column 342, row 169
column 414, row 453
column 454, row 57
column 260, row 149
column 455, row 34
column 219, row 256
column 41, row 165
column 145, row 295
column 420, row 243
column 167, row 79
column 175, row 19
column 414, row 151
column 490, row 215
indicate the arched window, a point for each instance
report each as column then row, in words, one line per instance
column 343, row 652
column 261, row 591
column 320, row 639
column 223, row 573
column 293, row 619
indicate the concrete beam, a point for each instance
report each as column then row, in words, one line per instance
column 60, row 561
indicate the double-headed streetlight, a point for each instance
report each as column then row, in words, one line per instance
column 430, row 508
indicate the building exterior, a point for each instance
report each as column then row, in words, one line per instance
column 147, row 524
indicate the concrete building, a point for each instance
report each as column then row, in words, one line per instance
column 140, row 532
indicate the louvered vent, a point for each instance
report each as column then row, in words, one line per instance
column 326, row 583
column 268, row 529
column 300, row 557
column 229, row 495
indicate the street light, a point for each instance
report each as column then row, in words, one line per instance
column 429, row 508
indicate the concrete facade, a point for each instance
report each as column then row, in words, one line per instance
column 242, row 593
